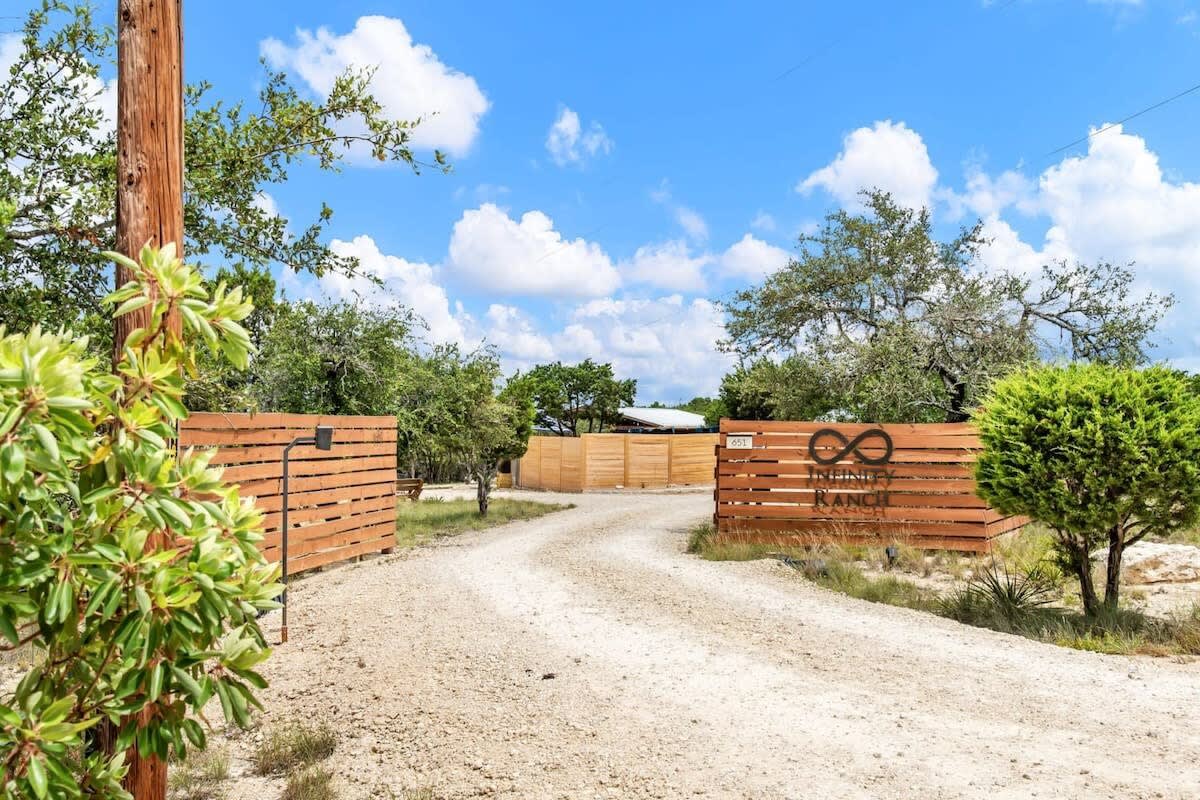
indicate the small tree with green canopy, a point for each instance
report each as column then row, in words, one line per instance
column 568, row 396
column 128, row 568
column 475, row 427
column 1103, row 456
column 343, row 358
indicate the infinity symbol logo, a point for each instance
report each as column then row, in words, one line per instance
column 850, row 446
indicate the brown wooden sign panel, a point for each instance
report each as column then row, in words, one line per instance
column 908, row 483
column 341, row 502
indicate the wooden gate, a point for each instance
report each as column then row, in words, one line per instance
column 342, row 501
column 613, row 460
column 858, row 483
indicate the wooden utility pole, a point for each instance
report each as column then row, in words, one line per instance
column 149, row 137
column 149, row 199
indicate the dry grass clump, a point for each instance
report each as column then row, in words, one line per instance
column 201, row 776
column 293, row 746
column 311, row 783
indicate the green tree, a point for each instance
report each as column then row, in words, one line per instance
column 216, row 384
column 465, row 421
column 711, row 408
column 794, row 388
column 899, row 326
column 568, row 396
column 58, row 181
column 129, row 569
column 1103, row 456
column 333, row 359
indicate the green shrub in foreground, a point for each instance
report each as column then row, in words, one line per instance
column 130, row 569
column 1103, row 456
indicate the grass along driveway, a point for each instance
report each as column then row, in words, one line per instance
column 1018, row 589
column 433, row 517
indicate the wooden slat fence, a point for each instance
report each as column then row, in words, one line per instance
column 616, row 460
column 853, row 483
column 342, row 502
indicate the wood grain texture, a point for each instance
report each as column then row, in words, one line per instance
column 616, row 460
column 342, row 502
column 149, row 203
column 924, row 495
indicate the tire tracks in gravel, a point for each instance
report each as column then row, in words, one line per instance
column 719, row 642
column 675, row 677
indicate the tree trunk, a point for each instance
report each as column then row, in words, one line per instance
column 1112, row 581
column 1082, row 565
column 483, row 489
column 149, row 202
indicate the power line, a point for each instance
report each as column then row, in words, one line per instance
column 1112, row 125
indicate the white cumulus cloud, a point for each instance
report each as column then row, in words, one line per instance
column 889, row 156
column 668, row 265
column 515, row 336
column 568, row 142
column 668, row 343
column 410, row 80
column 408, row 283
column 490, row 251
column 752, row 258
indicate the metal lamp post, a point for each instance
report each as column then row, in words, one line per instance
column 323, row 439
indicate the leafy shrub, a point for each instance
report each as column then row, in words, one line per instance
column 131, row 569
column 1101, row 455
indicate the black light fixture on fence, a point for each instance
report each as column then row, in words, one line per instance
column 323, row 439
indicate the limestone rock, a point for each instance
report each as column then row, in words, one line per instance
column 1152, row 562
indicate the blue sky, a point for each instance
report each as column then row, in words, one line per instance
column 619, row 167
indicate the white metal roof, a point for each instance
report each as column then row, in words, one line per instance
column 663, row 417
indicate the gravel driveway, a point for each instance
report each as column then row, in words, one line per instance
column 584, row 655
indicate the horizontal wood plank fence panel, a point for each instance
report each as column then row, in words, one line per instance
column 802, row 482
column 616, row 460
column 342, row 501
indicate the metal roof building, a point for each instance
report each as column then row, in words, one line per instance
column 666, row 419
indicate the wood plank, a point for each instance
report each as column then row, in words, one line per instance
column 215, row 420
column 772, row 441
column 929, row 542
column 256, row 436
column 805, row 497
column 849, row 514
column 250, row 472
column 314, row 560
column 1006, row 525
column 825, row 527
column 331, row 510
column 322, row 529
column 741, row 427
column 959, row 471
column 351, row 535
column 271, row 486
column 274, row 502
column 921, row 485
column 253, row 454
column 796, row 456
